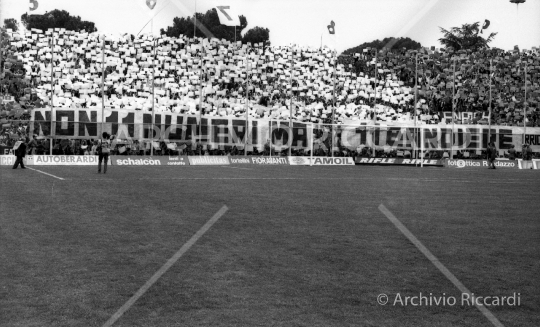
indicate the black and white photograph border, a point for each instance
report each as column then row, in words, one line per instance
column 269, row 163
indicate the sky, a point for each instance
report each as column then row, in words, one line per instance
column 304, row 22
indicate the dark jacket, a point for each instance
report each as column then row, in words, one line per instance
column 21, row 151
column 527, row 153
column 492, row 153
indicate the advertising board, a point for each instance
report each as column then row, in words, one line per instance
column 240, row 160
column 469, row 163
column 10, row 160
column 151, row 161
column 40, row 160
column 269, row 160
column 529, row 164
column 321, row 161
column 209, row 160
column 399, row 162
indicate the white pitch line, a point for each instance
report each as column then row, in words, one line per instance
column 236, row 167
column 39, row 171
column 437, row 264
column 213, row 178
column 166, row 266
column 526, row 182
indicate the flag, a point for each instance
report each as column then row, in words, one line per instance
column 35, row 7
column 332, row 38
column 149, row 7
column 151, row 4
column 227, row 16
column 16, row 145
column 332, row 28
column 485, row 26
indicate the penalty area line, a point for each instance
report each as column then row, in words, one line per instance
column 166, row 266
column 431, row 257
column 39, row 171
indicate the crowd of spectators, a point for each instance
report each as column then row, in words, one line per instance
column 372, row 85
column 12, row 131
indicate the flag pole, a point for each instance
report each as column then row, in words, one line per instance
column 290, row 106
column 153, row 100
column 195, row 20
column 271, row 96
column 311, row 145
column 52, row 96
column 490, row 73
column 333, row 105
column 102, row 84
column 1, row 58
column 270, row 127
column 421, row 147
column 247, row 108
column 201, row 76
column 525, row 105
column 453, row 107
column 375, row 104
column 270, row 136
column 415, row 149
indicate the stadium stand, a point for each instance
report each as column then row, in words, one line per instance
column 367, row 85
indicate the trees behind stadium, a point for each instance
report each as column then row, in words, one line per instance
column 210, row 21
column 57, row 19
column 466, row 37
column 388, row 42
column 11, row 23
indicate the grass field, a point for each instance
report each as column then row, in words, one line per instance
column 298, row 246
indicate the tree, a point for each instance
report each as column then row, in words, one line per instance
column 257, row 35
column 57, row 19
column 12, row 70
column 12, row 24
column 208, row 22
column 4, row 44
column 466, row 37
column 388, row 43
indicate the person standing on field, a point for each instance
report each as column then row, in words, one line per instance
column 527, row 156
column 20, row 153
column 512, row 153
column 104, row 149
column 492, row 155
column 527, row 152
